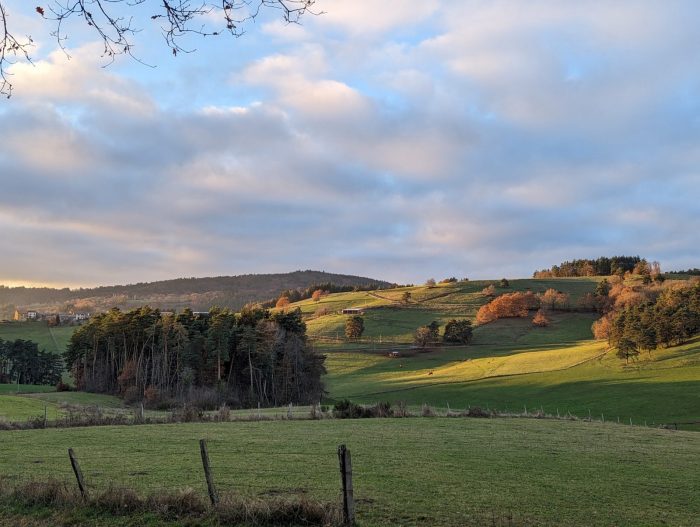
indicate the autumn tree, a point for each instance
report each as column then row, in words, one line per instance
column 282, row 302
column 316, row 295
column 601, row 327
column 116, row 23
column 553, row 299
column 540, row 319
column 489, row 291
column 354, row 327
column 430, row 282
column 507, row 306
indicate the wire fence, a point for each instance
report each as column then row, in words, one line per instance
column 212, row 466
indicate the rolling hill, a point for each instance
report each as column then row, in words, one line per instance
column 199, row 294
column 509, row 365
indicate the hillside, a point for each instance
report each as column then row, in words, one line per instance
column 509, row 364
column 198, row 294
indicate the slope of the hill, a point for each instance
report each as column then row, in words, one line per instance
column 391, row 319
column 195, row 293
column 509, row 365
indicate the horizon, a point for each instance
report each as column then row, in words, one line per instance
column 446, row 139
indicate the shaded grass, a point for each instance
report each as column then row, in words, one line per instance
column 14, row 389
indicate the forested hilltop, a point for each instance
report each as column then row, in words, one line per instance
column 603, row 266
column 199, row 294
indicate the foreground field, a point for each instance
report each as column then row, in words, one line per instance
column 417, row 471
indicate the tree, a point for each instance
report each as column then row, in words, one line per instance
column 458, row 331
column 115, row 23
column 406, row 297
column 426, row 336
column 354, row 327
column 540, row 319
column 316, row 295
column 627, row 349
column 282, row 302
column 23, row 363
column 249, row 358
column 489, row 291
column 504, row 283
column 603, row 288
column 430, row 282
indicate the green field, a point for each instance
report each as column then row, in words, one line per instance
column 418, row 471
column 509, row 365
column 50, row 339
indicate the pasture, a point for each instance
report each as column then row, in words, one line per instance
column 52, row 339
column 414, row 471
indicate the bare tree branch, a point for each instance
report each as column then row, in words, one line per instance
column 10, row 49
column 179, row 19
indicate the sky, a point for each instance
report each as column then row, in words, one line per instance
column 400, row 140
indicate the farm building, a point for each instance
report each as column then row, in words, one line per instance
column 27, row 315
column 353, row 311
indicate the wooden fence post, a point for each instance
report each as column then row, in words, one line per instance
column 213, row 496
column 346, row 478
column 78, row 473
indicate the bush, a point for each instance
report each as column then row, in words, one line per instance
column 132, row 395
column 62, row 387
column 477, row 411
column 151, row 395
column 187, row 414
column 346, row 409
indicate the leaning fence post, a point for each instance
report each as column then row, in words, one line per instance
column 78, row 473
column 346, row 478
column 207, row 472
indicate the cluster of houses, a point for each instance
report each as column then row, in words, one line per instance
column 51, row 318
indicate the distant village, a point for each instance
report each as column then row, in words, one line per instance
column 53, row 319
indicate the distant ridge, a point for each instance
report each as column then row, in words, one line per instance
column 197, row 293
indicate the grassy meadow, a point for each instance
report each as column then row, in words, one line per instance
column 52, row 339
column 508, row 366
column 414, row 471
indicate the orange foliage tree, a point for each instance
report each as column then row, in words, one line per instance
column 282, row 302
column 540, row 319
column 553, row 299
column 507, row 306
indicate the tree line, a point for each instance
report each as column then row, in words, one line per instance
column 315, row 291
column 643, row 319
column 22, row 362
column 248, row 358
column 602, row 266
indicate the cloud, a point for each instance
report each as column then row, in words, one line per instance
column 457, row 138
